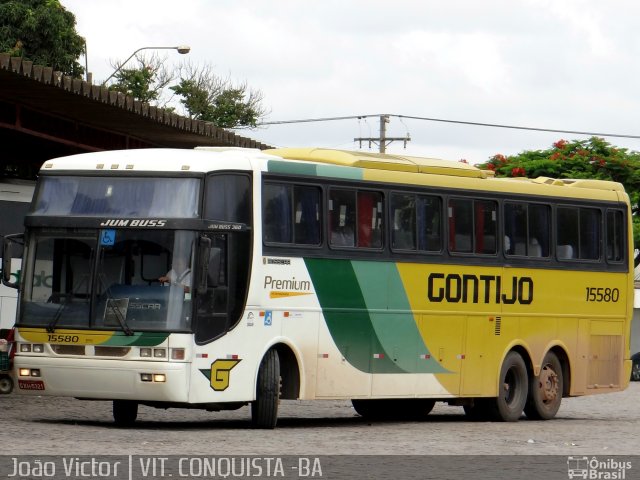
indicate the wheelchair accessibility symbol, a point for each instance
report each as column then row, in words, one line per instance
column 108, row 237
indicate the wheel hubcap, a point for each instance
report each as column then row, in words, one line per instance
column 548, row 384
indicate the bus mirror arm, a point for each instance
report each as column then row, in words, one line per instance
column 9, row 248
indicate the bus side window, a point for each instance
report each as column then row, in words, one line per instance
column 369, row 219
column 342, row 212
column 460, row 225
column 539, row 230
column 228, row 198
column 567, row 232
column 615, row 236
column 589, row 234
column 276, row 207
column 307, row 216
column 403, row 216
column 429, row 223
column 486, row 223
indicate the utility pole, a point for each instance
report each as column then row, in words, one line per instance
column 383, row 140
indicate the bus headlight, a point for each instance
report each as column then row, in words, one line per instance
column 145, row 352
column 25, row 347
column 159, row 353
column 38, row 348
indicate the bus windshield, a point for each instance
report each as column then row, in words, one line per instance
column 123, row 196
column 109, row 279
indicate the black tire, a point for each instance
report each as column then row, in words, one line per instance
column 264, row 409
column 513, row 388
column 6, row 384
column 545, row 390
column 125, row 412
column 394, row 409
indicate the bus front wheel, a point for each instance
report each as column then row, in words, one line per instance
column 545, row 390
column 264, row 409
column 125, row 412
column 512, row 389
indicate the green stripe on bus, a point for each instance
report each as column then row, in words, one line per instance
column 276, row 166
column 313, row 170
column 391, row 317
column 140, row 339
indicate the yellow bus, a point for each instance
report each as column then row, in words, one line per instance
column 392, row 281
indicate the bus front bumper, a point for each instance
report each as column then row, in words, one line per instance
column 102, row 379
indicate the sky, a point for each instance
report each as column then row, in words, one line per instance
column 552, row 64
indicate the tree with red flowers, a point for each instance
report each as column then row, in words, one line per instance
column 593, row 158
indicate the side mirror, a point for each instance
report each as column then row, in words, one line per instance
column 12, row 248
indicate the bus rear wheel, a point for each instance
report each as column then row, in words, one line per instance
column 264, row 409
column 512, row 391
column 545, row 390
column 125, row 412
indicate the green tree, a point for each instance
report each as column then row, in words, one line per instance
column 208, row 97
column 144, row 82
column 42, row 31
column 202, row 94
column 579, row 159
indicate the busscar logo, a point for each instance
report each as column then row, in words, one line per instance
column 131, row 222
column 597, row 469
column 276, row 261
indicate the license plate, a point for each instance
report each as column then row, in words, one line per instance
column 30, row 384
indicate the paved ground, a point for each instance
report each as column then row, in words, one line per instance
column 595, row 425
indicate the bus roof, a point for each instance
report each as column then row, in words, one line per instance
column 375, row 167
column 380, row 161
column 447, row 173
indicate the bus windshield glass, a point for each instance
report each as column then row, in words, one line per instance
column 135, row 197
column 128, row 280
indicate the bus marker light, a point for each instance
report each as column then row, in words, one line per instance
column 177, row 354
column 25, row 372
column 38, row 348
column 232, row 356
column 323, row 355
column 159, row 377
column 286, row 314
column 145, row 352
column 25, row 347
column 145, row 377
column 262, row 314
column 159, row 353
column 425, row 357
column 460, row 357
column 202, row 355
column 378, row 355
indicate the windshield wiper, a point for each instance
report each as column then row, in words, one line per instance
column 52, row 325
column 115, row 309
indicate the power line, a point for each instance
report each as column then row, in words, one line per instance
column 458, row 122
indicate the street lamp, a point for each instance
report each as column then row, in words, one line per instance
column 182, row 50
